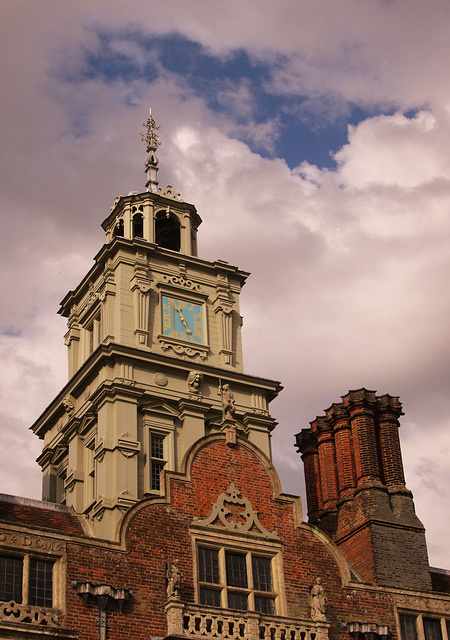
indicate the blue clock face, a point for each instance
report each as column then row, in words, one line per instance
column 182, row 319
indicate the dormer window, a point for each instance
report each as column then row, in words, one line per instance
column 167, row 230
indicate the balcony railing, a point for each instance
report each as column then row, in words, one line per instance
column 200, row 621
column 14, row 612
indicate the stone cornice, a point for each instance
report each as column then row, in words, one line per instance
column 107, row 352
column 111, row 249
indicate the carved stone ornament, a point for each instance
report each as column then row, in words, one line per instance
column 240, row 517
column 181, row 350
column 68, row 405
column 28, row 541
column 180, row 281
column 127, row 446
column 434, row 605
column 169, row 193
column 161, row 379
column 14, row 612
column 195, row 380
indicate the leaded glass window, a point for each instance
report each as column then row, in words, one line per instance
column 40, row 589
column 11, row 578
column 236, row 580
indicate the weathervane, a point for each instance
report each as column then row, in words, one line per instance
column 150, row 137
column 152, row 142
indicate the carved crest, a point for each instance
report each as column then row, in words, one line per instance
column 235, row 513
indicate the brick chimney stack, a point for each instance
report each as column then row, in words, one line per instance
column 356, row 489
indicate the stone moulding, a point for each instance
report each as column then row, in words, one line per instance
column 241, row 521
column 429, row 604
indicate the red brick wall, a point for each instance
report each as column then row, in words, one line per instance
column 154, row 532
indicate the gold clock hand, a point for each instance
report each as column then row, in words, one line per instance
column 184, row 322
column 183, row 319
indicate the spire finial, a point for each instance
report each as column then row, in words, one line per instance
column 152, row 141
column 150, row 137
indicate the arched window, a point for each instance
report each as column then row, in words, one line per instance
column 167, row 230
column 138, row 226
column 118, row 229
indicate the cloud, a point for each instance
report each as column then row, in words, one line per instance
column 350, row 266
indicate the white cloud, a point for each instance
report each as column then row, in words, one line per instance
column 350, row 267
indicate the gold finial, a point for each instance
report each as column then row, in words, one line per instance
column 150, row 137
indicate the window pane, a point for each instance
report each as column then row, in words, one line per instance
column 155, row 480
column 236, row 570
column 432, row 629
column 40, row 590
column 157, row 447
column 264, row 605
column 262, row 574
column 208, row 565
column 408, row 627
column 11, row 579
column 237, row 601
column 210, row 597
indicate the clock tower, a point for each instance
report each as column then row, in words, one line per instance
column 155, row 360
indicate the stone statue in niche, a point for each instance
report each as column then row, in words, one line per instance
column 173, row 575
column 229, row 406
column 195, row 380
column 318, row 600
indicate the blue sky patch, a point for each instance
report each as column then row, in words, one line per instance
column 310, row 129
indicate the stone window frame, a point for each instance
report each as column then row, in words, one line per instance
column 249, row 547
column 153, row 428
column 57, row 576
column 419, row 618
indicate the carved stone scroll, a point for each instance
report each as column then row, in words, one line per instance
column 238, row 519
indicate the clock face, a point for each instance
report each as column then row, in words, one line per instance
column 182, row 319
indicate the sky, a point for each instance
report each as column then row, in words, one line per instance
column 313, row 136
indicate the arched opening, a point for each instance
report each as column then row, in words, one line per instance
column 167, row 230
column 118, row 229
column 138, row 225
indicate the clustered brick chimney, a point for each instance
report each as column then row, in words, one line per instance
column 356, row 490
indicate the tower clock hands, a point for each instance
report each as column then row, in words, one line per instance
column 183, row 320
